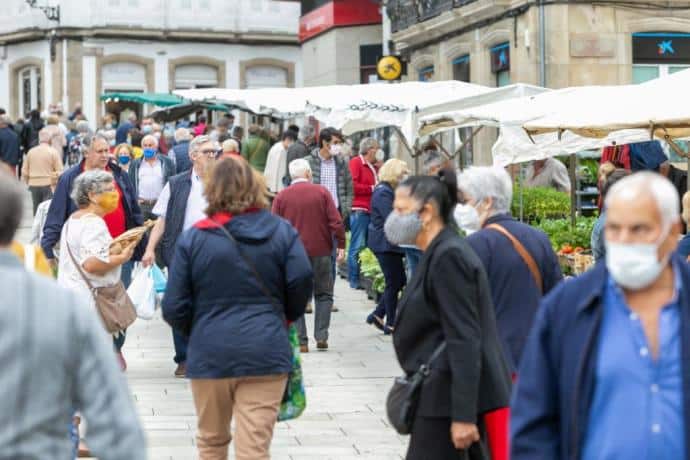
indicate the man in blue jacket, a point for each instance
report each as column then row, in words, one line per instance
column 604, row 372
column 126, row 216
column 9, row 144
column 516, row 292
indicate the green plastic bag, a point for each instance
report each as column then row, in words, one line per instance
column 295, row 399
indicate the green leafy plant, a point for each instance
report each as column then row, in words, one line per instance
column 369, row 267
column 561, row 233
column 541, row 203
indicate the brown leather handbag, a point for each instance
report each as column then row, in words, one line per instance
column 112, row 302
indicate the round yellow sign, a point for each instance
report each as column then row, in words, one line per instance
column 389, row 68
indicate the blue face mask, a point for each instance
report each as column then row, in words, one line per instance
column 147, row 129
column 123, row 159
column 149, row 153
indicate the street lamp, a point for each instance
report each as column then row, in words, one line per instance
column 51, row 12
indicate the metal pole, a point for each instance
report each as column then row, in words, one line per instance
column 542, row 44
column 573, row 188
column 522, row 188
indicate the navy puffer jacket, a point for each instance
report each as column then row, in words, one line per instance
column 214, row 298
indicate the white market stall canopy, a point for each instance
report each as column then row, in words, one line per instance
column 350, row 108
column 660, row 106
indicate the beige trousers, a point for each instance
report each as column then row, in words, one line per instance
column 253, row 401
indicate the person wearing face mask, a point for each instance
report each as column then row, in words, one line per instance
column 389, row 256
column 364, row 180
column 603, row 373
column 123, row 156
column 446, row 310
column 125, row 216
column 149, row 174
column 518, row 259
column 180, row 205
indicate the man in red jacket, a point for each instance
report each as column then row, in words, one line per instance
column 311, row 210
column 364, row 179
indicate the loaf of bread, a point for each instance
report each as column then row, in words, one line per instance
column 132, row 235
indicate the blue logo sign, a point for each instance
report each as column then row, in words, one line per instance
column 666, row 47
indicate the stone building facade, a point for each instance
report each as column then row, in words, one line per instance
column 101, row 46
column 496, row 42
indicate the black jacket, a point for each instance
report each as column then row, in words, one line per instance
column 167, row 166
column 449, row 299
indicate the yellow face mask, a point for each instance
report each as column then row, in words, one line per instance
column 108, row 201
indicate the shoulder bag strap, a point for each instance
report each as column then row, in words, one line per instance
column 526, row 257
column 74, row 260
column 252, row 267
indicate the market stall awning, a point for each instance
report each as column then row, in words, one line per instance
column 178, row 111
column 659, row 107
column 157, row 99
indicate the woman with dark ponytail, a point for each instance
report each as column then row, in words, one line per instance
column 447, row 301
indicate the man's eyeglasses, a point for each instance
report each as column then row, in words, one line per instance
column 209, row 152
column 102, row 151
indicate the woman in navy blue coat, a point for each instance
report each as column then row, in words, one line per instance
column 239, row 354
column 390, row 257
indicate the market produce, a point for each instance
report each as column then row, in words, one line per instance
column 130, row 236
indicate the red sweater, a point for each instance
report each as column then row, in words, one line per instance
column 363, row 183
column 310, row 209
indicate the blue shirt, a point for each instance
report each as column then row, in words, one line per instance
column 684, row 246
column 637, row 408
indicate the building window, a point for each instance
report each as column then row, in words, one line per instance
column 500, row 63
column 368, row 58
column 426, row 74
column 266, row 76
column 29, row 89
column 195, row 76
column 461, row 68
column 658, row 54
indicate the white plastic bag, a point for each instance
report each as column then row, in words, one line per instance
column 143, row 293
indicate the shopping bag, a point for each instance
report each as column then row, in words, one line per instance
column 294, row 399
column 143, row 293
column 159, row 279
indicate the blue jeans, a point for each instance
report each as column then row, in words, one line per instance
column 180, row 343
column 359, row 223
column 412, row 256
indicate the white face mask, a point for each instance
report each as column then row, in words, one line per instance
column 467, row 218
column 634, row 266
column 335, row 149
column 380, row 156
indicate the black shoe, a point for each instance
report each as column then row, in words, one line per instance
column 388, row 330
column 375, row 321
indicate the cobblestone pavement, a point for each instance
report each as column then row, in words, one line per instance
column 346, row 388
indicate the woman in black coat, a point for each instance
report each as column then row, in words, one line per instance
column 448, row 299
column 389, row 256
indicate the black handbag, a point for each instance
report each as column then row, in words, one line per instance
column 403, row 397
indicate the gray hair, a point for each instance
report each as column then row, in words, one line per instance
column 83, row 127
column 89, row 139
column 367, row 144
column 5, row 120
column 231, row 145
column 484, row 182
column 44, row 135
column 305, row 132
column 299, row 168
column 149, row 137
column 197, row 142
column 656, row 186
column 11, row 207
column 94, row 181
column 182, row 134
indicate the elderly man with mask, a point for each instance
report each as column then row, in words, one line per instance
column 180, row 205
column 603, row 374
column 149, row 174
column 518, row 259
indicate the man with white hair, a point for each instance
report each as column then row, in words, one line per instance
column 230, row 147
column 180, row 152
column 518, row 259
column 149, row 174
column 41, row 164
column 311, row 210
column 604, row 371
column 180, row 205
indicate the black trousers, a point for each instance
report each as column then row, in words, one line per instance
column 430, row 439
column 393, row 270
column 39, row 195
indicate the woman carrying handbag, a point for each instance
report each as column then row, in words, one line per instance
column 236, row 278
